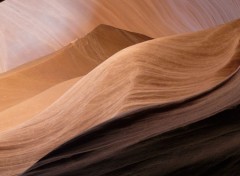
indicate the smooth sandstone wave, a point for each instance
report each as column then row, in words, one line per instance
column 160, row 71
column 184, row 138
column 74, row 60
column 194, row 137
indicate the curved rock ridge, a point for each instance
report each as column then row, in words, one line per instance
column 162, row 71
column 74, row 60
column 194, row 137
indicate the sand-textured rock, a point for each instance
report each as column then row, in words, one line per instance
column 162, row 71
column 179, row 139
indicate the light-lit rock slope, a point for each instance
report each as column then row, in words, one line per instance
column 74, row 60
column 156, row 72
